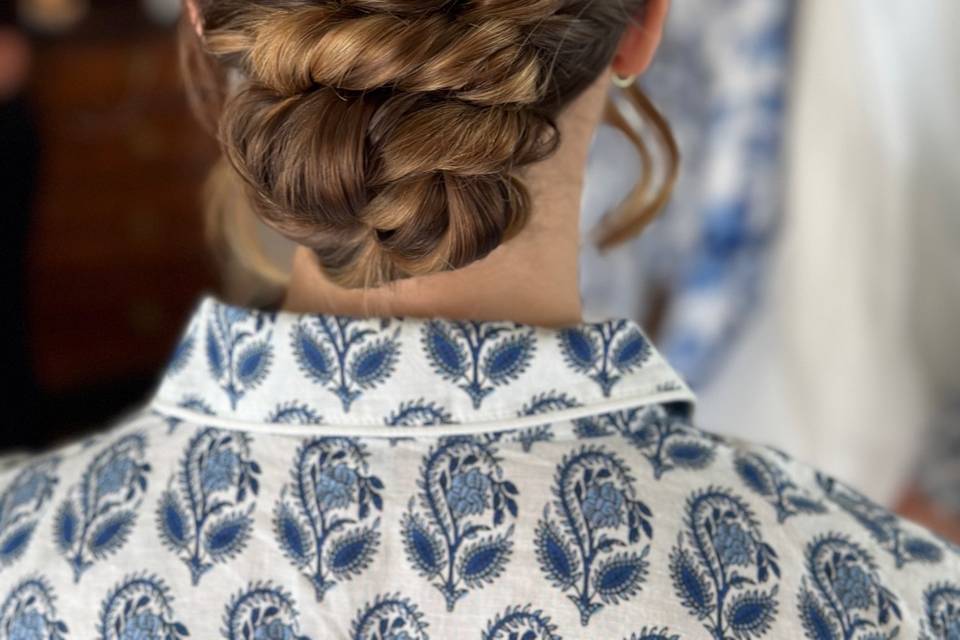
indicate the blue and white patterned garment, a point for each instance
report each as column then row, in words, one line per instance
column 307, row 476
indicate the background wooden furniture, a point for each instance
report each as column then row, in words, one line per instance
column 116, row 251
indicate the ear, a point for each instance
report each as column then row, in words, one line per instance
column 640, row 40
column 193, row 14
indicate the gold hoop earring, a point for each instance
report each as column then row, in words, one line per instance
column 623, row 82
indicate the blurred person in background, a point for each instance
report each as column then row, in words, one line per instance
column 422, row 436
column 746, row 278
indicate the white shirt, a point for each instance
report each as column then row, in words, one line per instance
column 300, row 476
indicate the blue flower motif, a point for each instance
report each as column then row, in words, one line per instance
column 389, row 617
column 99, row 512
column 603, row 506
column 345, row 355
column 605, row 351
column 663, row 436
column 238, row 349
column 450, row 540
column 143, row 626
column 219, row 470
column 941, row 612
column 29, row 625
column 841, row 593
column 113, row 477
column 335, row 486
column 723, row 572
column 886, row 528
column 594, row 490
column 853, row 586
column 733, row 544
column 28, row 612
column 274, row 630
column 478, row 356
column 204, row 516
column 322, row 541
column 139, row 608
column 468, row 493
column 22, row 503
column 268, row 611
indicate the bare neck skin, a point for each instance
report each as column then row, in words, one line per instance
column 532, row 279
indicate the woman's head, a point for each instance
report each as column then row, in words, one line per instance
column 391, row 136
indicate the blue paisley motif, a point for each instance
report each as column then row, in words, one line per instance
column 262, row 612
column 590, row 543
column 722, row 570
column 239, row 351
column 605, row 351
column 22, row 503
column 204, row 516
column 478, row 356
column 768, row 479
column 941, row 607
column 29, row 612
column 99, row 512
column 886, row 528
column 389, row 617
column 841, row 595
column 541, row 403
column 521, row 623
column 323, row 520
column 665, row 438
column 139, row 608
column 458, row 538
column 346, row 355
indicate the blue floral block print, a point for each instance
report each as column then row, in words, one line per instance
column 239, row 351
column 886, row 528
column 842, row 597
column 478, row 356
column 521, row 623
column 324, row 519
column 542, row 403
column 262, row 612
column 665, row 440
column 389, row 617
column 96, row 518
column 605, row 352
column 204, row 516
column 455, row 530
column 589, row 542
column 941, row 604
column 22, row 503
column 654, row 634
column 140, row 608
column 722, row 570
column 767, row 478
column 29, row 612
column 345, row 355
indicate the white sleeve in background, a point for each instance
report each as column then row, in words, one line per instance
column 864, row 264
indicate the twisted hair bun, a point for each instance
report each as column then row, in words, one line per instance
column 387, row 135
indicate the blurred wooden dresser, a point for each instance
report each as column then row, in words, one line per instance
column 116, row 253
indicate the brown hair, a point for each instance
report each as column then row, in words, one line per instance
column 390, row 135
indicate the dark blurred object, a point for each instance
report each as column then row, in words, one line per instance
column 18, row 173
column 116, row 254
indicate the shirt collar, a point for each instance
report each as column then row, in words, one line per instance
column 287, row 372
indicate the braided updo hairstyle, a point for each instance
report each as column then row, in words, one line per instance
column 389, row 136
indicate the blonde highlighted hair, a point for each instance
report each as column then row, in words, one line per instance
column 390, row 136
